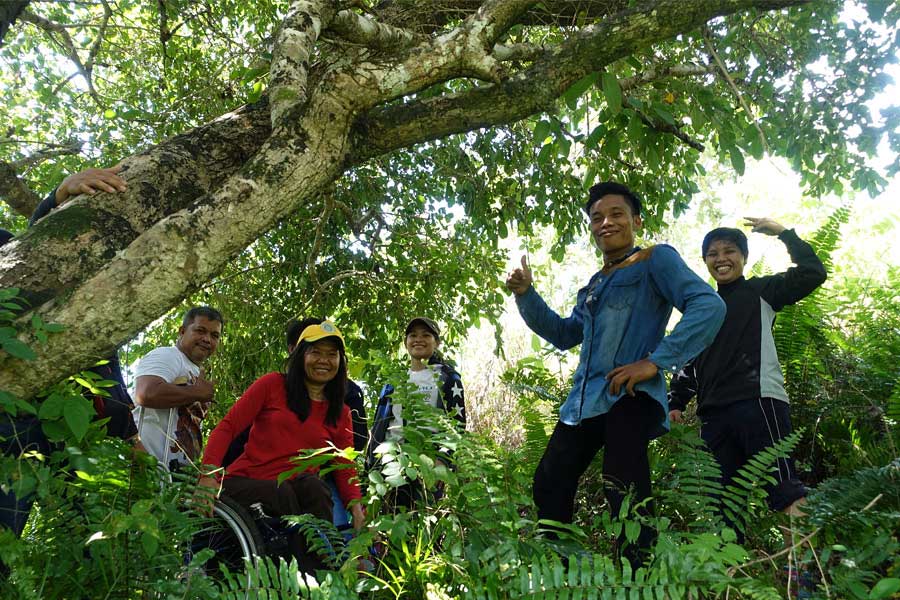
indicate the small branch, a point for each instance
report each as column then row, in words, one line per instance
column 357, row 29
column 518, row 52
column 317, row 240
column 734, row 88
column 28, row 162
column 655, row 74
column 357, row 223
column 664, row 127
column 95, row 47
column 320, row 289
column 58, row 34
column 15, row 192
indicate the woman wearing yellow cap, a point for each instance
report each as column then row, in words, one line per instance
column 289, row 412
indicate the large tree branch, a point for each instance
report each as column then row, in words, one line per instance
column 294, row 45
column 427, row 16
column 162, row 180
column 176, row 255
column 359, row 29
column 494, row 18
column 537, row 88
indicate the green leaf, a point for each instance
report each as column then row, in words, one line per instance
column 610, row 86
column 737, row 159
column 578, row 88
column 109, row 113
column 77, row 416
column 54, row 327
column 18, row 349
column 150, row 544
column 885, row 588
column 541, row 131
column 664, row 115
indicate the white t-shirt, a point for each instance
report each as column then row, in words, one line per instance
column 427, row 382
column 170, row 433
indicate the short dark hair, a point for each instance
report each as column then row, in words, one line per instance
column 294, row 328
column 605, row 188
column 202, row 311
column 727, row 234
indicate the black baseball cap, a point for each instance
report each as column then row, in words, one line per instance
column 427, row 323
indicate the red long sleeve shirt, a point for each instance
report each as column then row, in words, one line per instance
column 278, row 435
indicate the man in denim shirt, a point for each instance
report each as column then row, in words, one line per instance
column 618, row 398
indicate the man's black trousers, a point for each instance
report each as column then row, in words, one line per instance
column 624, row 431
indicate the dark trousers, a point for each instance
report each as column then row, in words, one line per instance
column 18, row 436
column 624, row 431
column 734, row 433
column 306, row 494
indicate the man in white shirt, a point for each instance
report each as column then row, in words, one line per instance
column 171, row 392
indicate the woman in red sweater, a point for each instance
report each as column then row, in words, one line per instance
column 289, row 412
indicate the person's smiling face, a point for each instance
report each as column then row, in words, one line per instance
column 322, row 361
column 725, row 261
column 420, row 342
column 613, row 224
column 199, row 339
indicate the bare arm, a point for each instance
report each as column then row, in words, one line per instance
column 154, row 392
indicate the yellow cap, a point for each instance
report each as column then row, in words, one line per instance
column 323, row 330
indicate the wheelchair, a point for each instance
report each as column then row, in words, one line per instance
column 239, row 537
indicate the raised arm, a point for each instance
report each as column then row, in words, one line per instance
column 564, row 333
column 799, row 281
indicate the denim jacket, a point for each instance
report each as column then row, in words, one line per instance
column 620, row 317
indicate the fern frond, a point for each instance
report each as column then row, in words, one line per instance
column 744, row 499
column 322, row 537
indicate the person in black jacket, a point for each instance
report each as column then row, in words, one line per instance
column 23, row 433
column 118, row 404
column 741, row 400
column 437, row 383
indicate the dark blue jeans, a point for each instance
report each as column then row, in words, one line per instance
column 17, row 436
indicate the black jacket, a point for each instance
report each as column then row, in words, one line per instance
column 742, row 363
column 451, row 400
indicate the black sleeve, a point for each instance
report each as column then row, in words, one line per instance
column 383, row 416
column 682, row 388
column 354, row 401
column 44, row 208
column 799, row 281
column 454, row 396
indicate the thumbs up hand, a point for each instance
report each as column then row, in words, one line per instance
column 520, row 279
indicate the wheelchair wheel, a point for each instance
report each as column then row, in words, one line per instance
column 232, row 535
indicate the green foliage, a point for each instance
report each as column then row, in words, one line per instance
column 275, row 580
